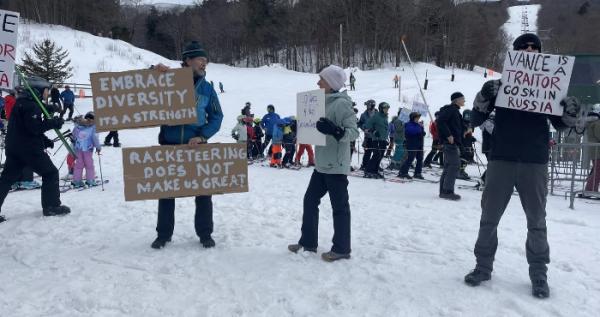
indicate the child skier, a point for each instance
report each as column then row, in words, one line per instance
column 277, row 143
column 289, row 141
column 86, row 140
column 257, row 147
column 239, row 132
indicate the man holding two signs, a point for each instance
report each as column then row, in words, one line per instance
column 520, row 150
column 210, row 117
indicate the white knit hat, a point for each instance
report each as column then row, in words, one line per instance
column 334, row 76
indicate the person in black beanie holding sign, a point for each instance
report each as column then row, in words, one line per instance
column 195, row 57
column 25, row 145
column 518, row 159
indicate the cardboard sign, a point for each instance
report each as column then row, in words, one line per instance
column 420, row 107
column 143, row 98
column 9, row 23
column 184, row 171
column 310, row 107
column 535, row 82
column 404, row 115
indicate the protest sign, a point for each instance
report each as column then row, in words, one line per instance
column 404, row 115
column 420, row 107
column 184, row 171
column 535, row 82
column 310, row 107
column 9, row 23
column 143, row 98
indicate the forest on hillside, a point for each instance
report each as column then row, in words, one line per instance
column 304, row 35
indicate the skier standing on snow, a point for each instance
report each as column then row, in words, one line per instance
column 368, row 142
column 519, row 159
column 399, row 138
column 86, row 140
column 436, row 149
column 221, row 88
column 352, row 81
column 332, row 169
column 257, row 148
column 268, row 124
column 377, row 126
column 195, row 57
column 450, row 129
column 414, row 134
column 25, row 145
column 68, row 100
column 55, row 98
column 396, row 80
column 239, row 132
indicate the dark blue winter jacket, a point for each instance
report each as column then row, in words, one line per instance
column 210, row 117
column 268, row 122
column 67, row 97
column 414, row 136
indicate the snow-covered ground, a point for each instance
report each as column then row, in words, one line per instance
column 410, row 249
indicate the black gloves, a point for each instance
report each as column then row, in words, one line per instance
column 327, row 126
column 572, row 107
column 48, row 143
column 54, row 123
column 490, row 89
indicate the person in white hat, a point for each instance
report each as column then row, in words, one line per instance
column 331, row 170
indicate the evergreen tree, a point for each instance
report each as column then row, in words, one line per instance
column 49, row 62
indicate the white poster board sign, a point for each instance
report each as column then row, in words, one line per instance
column 420, row 107
column 404, row 115
column 535, row 82
column 9, row 23
column 310, row 107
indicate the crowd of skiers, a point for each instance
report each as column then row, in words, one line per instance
column 271, row 137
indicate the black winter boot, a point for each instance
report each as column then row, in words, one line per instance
column 159, row 243
column 207, row 242
column 476, row 277
column 449, row 195
column 540, row 289
column 56, row 211
column 297, row 247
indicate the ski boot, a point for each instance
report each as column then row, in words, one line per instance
column 56, row 211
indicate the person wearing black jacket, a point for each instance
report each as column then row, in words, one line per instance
column 518, row 159
column 25, row 145
column 55, row 98
column 450, row 129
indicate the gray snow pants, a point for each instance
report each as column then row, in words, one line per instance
column 531, row 182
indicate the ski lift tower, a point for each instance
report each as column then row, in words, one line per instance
column 524, row 21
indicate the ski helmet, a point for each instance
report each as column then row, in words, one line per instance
column 257, row 120
column 90, row 116
column 383, row 105
column 370, row 104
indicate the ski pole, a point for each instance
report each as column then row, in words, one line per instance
column 416, row 77
column 101, row 175
column 45, row 111
column 63, row 163
column 60, row 147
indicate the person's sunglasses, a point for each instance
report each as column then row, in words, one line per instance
column 525, row 46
